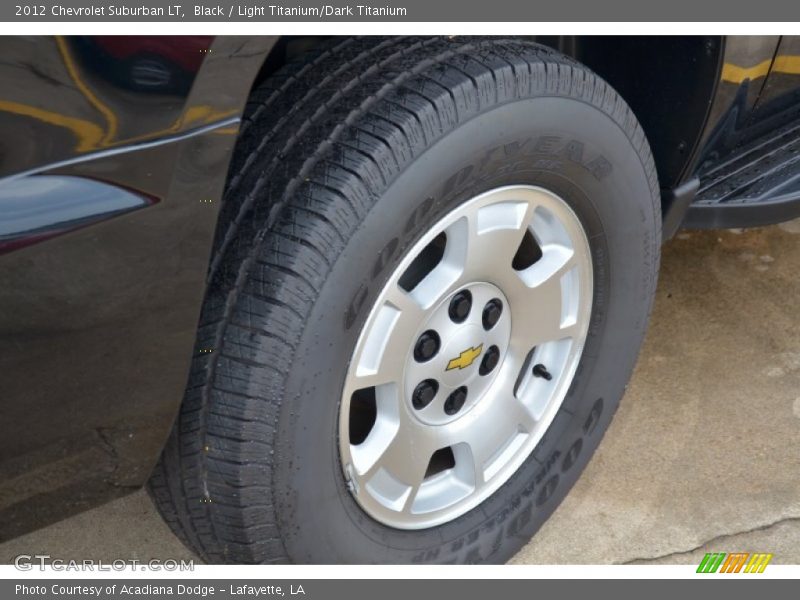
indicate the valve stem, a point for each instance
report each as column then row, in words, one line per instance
column 540, row 370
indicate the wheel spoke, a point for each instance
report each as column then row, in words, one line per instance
column 450, row 270
column 400, row 469
column 495, row 233
column 383, row 352
column 494, row 438
column 540, row 312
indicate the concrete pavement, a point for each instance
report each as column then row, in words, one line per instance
column 703, row 455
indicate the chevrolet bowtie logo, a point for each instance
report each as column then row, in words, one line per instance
column 465, row 359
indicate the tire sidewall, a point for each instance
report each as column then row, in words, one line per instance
column 564, row 145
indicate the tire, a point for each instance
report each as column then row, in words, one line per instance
column 346, row 159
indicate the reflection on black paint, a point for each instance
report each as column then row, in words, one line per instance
column 97, row 326
column 64, row 97
column 40, row 207
column 149, row 64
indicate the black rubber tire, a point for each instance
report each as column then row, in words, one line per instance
column 344, row 160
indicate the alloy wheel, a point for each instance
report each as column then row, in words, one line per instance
column 465, row 357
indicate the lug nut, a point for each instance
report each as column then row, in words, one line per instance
column 490, row 360
column 424, row 393
column 491, row 313
column 460, row 306
column 541, row 371
column 455, row 400
column 427, row 346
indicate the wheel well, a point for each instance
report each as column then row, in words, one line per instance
column 668, row 81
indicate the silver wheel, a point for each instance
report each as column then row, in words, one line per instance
column 465, row 357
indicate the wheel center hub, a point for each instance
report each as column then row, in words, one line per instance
column 472, row 327
column 462, row 355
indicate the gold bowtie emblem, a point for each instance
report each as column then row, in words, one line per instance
column 465, row 359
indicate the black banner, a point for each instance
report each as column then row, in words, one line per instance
column 358, row 11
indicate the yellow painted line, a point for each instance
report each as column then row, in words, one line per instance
column 784, row 63
column 195, row 116
column 201, row 114
column 787, row 63
column 89, row 134
column 108, row 114
column 92, row 137
column 737, row 74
